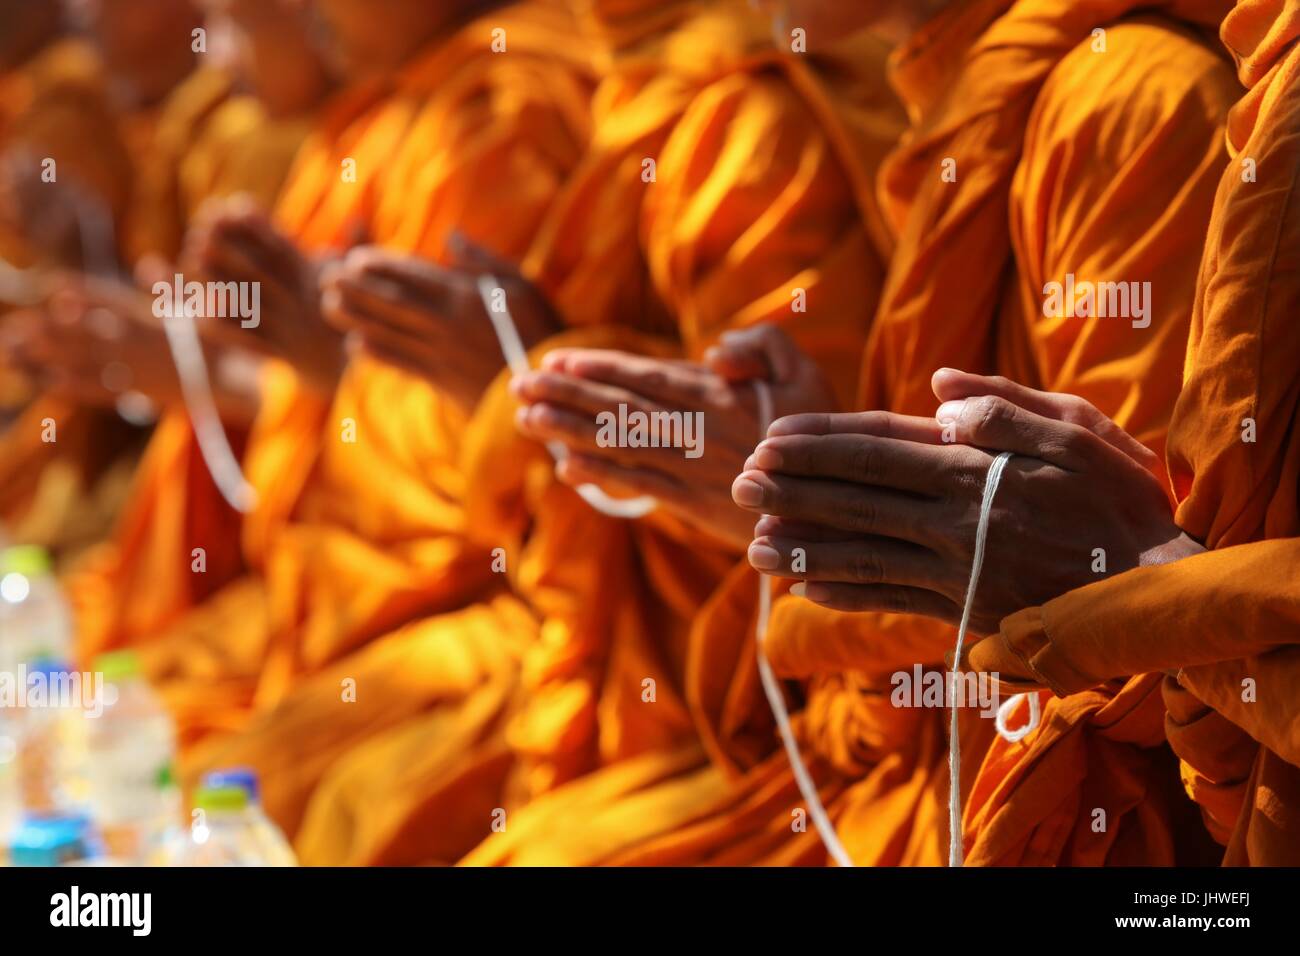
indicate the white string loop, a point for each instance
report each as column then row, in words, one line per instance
column 1004, row 712
column 516, row 356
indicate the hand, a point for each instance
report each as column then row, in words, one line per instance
column 95, row 340
column 886, row 511
column 563, row 399
column 429, row 319
column 232, row 241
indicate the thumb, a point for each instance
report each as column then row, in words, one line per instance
column 762, row 352
column 471, row 256
column 995, row 423
column 152, row 268
column 952, row 386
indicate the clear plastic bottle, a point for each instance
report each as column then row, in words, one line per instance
column 35, row 621
column 48, row 735
column 276, row 850
column 130, row 747
column 219, row 834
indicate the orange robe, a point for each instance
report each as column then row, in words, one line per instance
column 1064, row 164
column 1221, row 626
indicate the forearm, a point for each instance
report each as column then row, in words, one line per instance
column 1201, row 610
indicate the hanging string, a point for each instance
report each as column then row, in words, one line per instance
column 191, row 369
column 196, row 390
column 772, row 689
column 991, row 482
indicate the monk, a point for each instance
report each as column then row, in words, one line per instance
column 1216, row 612
column 66, row 464
column 1009, row 126
column 149, row 574
column 583, row 703
column 358, row 527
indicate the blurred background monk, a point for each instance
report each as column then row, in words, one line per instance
column 65, row 165
column 1006, row 99
column 266, row 83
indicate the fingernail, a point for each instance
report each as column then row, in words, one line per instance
column 521, row 416
column 767, row 458
column 799, row 589
column 746, row 492
column 516, row 387
column 950, row 411
column 764, row 558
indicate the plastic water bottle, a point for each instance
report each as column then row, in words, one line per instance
column 35, row 621
column 220, row 833
column 275, row 849
column 130, row 747
column 35, row 625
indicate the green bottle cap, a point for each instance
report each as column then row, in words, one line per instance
column 221, row 798
column 29, row 560
column 118, row 665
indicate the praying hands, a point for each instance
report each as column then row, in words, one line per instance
column 563, row 400
column 878, row 511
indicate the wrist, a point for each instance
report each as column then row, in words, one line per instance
column 1181, row 545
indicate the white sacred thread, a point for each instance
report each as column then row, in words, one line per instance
column 1020, row 733
column 516, row 356
column 991, row 482
column 192, row 371
column 772, row 690
column 196, row 389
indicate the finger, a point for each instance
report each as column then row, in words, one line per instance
column 762, row 351
column 880, row 424
column 888, row 598
column 574, row 393
column 672, row 384
column 628, row 481
column 545, row 422
column 952, row 387
column 776, row 526
column 995, row 423
column 836, row 504
column 909, row 466
column 387, row 302
column 866, row 560
column 475, row 257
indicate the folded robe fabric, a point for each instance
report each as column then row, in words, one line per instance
column 1221, row 626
